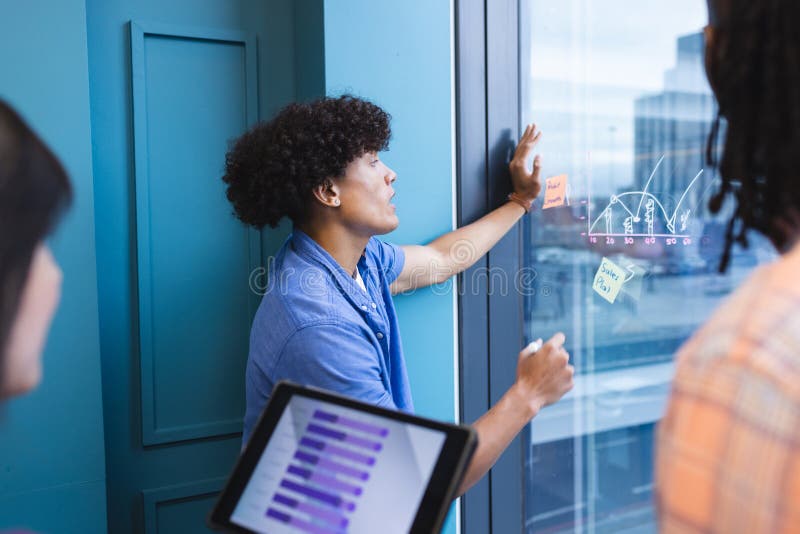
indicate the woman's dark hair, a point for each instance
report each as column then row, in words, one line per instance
column 272, row 170
column 754, row 68
column 34, row 189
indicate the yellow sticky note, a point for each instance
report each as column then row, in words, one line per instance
column 608, row 280
column 555, row 191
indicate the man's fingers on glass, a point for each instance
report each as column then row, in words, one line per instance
column 556, row 341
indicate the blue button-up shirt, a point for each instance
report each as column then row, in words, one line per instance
column 317, row 326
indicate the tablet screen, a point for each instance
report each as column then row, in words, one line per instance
column 330, row 469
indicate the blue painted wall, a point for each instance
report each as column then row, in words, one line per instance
column 398, row 54
column 52, row 467
column 173, row 477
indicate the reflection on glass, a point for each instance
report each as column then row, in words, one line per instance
column 618, row 89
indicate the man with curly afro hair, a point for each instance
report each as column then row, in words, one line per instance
column 327, row 318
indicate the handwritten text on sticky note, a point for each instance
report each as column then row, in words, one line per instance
column 555, row 190
column 608, row 280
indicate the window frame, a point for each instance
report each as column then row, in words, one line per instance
column 487, row 128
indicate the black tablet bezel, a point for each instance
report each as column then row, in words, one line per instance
column 460, row 443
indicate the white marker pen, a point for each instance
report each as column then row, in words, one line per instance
column 536, row 345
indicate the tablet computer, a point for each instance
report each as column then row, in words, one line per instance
column 321, row 463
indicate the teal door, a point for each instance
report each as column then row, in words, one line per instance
column 171, row 85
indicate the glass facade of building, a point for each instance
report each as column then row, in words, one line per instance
column 627, row 266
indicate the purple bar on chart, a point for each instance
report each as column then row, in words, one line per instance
column 299, row 471
column 312, row 443
column 299, row 524
column 351, row 423
column 333, row 449
column 364, row 427
column 287, row 501
column 317, row 512
column 280, row 516
column 323, row 496
column 350, row 455
column 336, row 467
column 361, row 442
column 305, row 457
column 327, row 432
column 325, row 416
column 334, row 484
column 341, row 436
column 328, row 516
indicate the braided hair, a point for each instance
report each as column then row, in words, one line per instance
column 754, row 69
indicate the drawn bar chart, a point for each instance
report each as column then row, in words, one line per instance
column 321, row 486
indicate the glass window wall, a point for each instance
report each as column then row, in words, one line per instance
column 626, row 261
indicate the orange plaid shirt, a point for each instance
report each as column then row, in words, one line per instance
column 729, row 446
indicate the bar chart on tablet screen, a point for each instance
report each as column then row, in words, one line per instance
column 319, row 460
column 328, row 469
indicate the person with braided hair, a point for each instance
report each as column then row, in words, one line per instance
column 728, row 457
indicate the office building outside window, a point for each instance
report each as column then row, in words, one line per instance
column 625, row 253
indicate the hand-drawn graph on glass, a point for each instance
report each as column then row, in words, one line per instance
column 649, row 214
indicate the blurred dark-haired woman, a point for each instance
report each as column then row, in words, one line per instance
column 34, row 190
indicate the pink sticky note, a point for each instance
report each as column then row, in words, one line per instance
column 555, row 190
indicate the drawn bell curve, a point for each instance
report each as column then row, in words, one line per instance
column 648, row 210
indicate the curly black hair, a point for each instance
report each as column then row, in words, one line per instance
column 754, row 67
column 272, row 170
